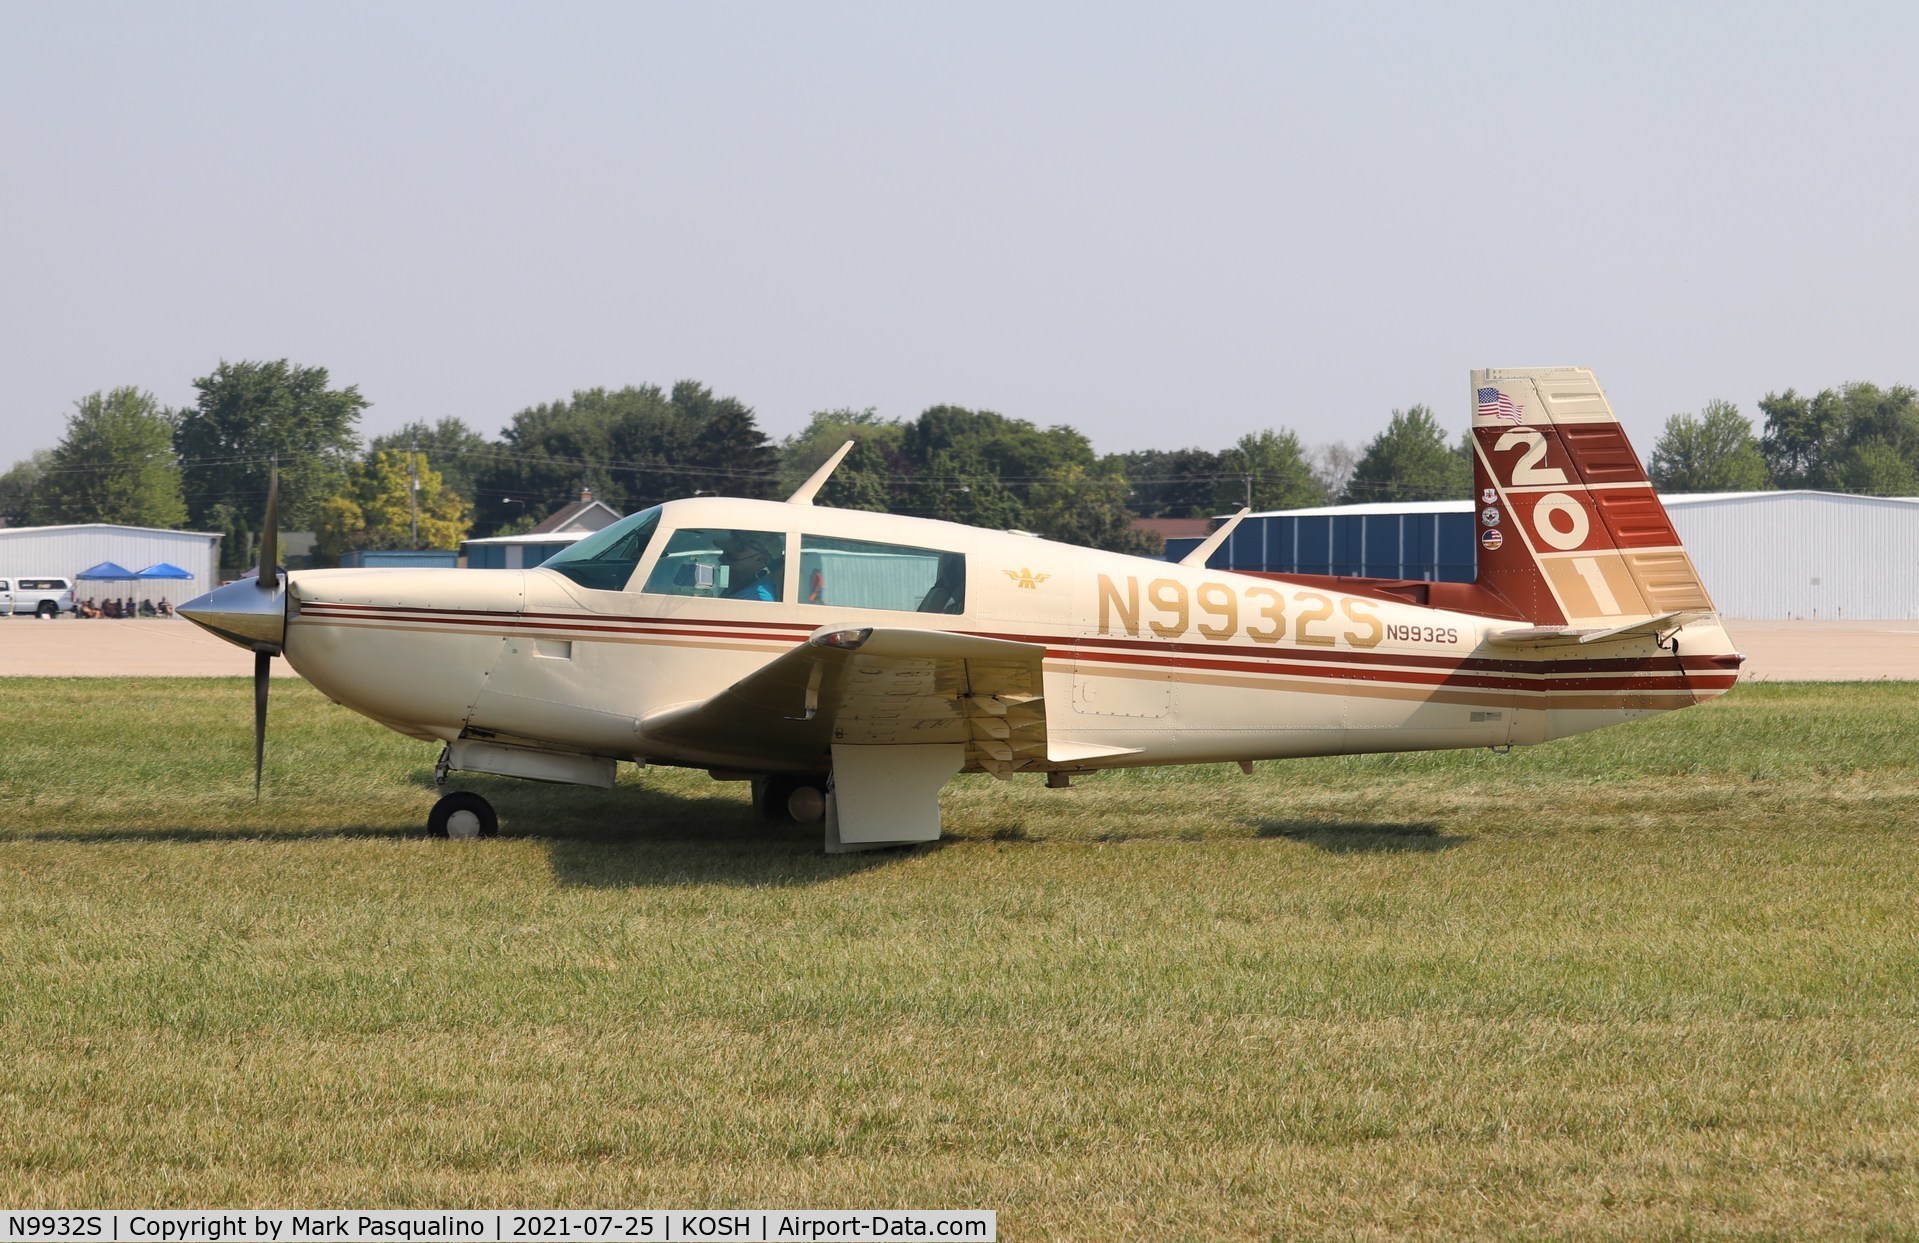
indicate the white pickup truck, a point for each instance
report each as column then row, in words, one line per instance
column 43, row 597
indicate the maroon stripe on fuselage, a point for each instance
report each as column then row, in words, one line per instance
column 1647, row 676
column 1484, row 673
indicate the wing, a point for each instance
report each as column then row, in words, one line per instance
column 870, row 686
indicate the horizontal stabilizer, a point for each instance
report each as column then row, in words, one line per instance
column 1555, row 636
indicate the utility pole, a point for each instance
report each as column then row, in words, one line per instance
column 413, row 490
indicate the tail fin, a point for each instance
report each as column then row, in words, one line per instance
column 1570, row 530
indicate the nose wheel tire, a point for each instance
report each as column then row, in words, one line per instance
column 462, row 815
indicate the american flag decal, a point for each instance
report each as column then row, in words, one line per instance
column 1493, row 403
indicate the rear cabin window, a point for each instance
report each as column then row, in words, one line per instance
column 860, row 574
column 726, row 562
column 606, row 559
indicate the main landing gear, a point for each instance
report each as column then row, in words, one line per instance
column 782, row 799
column 463, row 814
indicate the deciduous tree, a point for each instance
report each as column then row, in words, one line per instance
column 249, row 413
column 378, row 509
column 1804, row 438
column 1333, row 464
column 1714, row 451
column 1271, row 468
column 634, row 447
column 115, row 464
column 1012, row 453
column 17, row 487
column 1849, row 439
column 1877, row 468
column 875, row 476
column 1410, row 461
column 1172, row 483
column 958, row 485
column 458, row 452
column 1088, row 508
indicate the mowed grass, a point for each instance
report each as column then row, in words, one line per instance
column 1657, row 981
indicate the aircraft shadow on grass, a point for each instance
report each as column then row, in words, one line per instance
column 635, row 837
column 627, row 837
column 1356, row 837
column 193, row 834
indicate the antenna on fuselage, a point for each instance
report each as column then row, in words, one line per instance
column 803, row 495
column 1198, row 555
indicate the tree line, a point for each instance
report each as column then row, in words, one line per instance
column 1856, row 438
column 126, row 459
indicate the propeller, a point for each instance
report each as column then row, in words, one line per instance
column 268, row 580
column 252, row 615
column 261, row 662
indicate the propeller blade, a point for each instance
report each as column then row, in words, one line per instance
column 270, row 534
column 262, row 662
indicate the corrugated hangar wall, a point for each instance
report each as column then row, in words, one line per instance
column 1810, row 555
column 1815, row 555
column 66, row 550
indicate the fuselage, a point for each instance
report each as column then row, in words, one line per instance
column 1146, row 662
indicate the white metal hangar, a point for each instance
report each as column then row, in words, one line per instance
column 67, row 550
column 1801, row 554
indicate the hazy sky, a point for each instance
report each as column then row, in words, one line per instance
column 1165, row 225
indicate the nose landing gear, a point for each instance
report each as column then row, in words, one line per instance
column 463, row 814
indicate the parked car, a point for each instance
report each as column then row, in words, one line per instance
column 44, row 597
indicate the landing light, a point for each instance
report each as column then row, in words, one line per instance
column 848, row 639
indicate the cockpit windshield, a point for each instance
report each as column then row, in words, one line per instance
column 606, row 559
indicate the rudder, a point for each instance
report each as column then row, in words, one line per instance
column 1570, row 530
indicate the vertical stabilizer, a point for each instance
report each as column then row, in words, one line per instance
column 1570, row 530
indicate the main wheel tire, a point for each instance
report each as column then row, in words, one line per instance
column 790, row 800
column 462, row 814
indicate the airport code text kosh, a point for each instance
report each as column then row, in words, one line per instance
column 543, row 1226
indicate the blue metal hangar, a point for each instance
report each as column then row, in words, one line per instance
column 1784, row 555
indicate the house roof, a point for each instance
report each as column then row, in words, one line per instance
column 530, row 537
column 584, row 515
column 1174, row 528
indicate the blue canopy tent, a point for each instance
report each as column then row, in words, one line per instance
column 166, row 573
column 106, row 571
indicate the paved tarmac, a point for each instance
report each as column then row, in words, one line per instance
column 101, row 647
column 1776, row 651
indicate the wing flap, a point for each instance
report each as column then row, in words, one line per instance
column 866, row 687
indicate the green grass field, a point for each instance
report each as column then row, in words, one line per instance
column 1661, row 981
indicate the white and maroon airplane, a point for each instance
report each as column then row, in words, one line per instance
column 850, row 663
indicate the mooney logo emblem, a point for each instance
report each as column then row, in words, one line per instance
column 1027, row 579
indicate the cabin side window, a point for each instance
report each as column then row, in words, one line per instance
column 861, row 574
column 721, row 561
column 606, row 559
